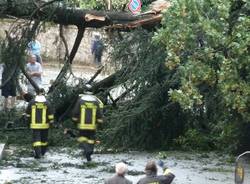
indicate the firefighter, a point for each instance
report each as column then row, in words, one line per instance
column 153, row 178
column 40, row 116
column 87, row 113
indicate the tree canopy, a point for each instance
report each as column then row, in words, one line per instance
column 206, row 72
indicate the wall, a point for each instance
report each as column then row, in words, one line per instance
column 52, row 46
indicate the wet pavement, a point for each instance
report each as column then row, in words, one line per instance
column 66, row 165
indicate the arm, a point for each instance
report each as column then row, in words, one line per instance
column 76, row 111
column 99, row 114
column 38, row 45
column 28, row 110
column 39, row 72
column 50, row 114
column 167, row 177
column 29, row 47
column 27, row 113
column 35, row 74
column 93, row 47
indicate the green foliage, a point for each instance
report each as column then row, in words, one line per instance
column 90, row 4
column 207, row 42
column 146, row 118
column 100, row 4
column 195, row 140
column 198, row 59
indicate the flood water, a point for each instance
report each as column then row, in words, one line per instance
column 67, row 166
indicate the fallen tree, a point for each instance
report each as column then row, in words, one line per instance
column 52, row 11
column 193, row 95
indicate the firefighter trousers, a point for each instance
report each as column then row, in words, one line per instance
column 86, row 141
column 40, row 141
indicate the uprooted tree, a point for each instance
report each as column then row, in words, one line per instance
column 186, row 85
column 30, row 14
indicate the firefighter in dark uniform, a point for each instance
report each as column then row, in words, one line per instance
column 87, row 113
column 40, row 116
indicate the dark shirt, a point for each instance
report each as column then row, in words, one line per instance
column 118, row 180
column 97, row 47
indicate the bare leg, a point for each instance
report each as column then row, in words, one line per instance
column 5, row 105
column 12, row 102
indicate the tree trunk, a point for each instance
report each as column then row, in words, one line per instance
column 27, row 9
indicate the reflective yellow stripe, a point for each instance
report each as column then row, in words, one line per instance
column 166, row 172
column 39, row 143
column 85, row 139
column 33, row 116
column 100, row 103
column 82, row 139
column 44, row 143
column 50, row 116
column 40, row 126
column 43, row 124
column 82, row 118
column 44, row 115
column 82, row 125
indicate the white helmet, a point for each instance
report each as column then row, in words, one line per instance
column 88, row 89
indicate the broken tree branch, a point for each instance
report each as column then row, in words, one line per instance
column 64, row 42
column 94, row 76
column 80, row 18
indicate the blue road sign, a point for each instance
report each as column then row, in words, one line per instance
column 134, row 6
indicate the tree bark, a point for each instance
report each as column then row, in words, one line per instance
column 27, row 9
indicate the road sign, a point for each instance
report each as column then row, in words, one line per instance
column 134, row 6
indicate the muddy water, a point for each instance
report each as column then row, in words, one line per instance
column 66, row 165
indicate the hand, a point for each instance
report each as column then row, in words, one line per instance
column 55, row 125
column 65, row 131
column 160, row 163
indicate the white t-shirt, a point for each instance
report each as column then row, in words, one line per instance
column 36, row 67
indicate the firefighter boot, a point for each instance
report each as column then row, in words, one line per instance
column 43, row 150
column 37, row 153
column 88, row 157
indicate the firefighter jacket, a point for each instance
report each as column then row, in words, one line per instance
column 153, row 178
column 88, row 111
column 40, row 113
